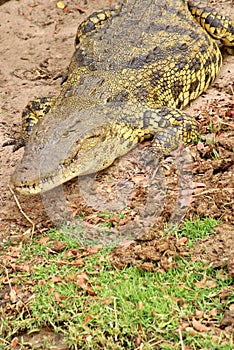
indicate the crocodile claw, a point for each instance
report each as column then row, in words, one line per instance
column 16, row 142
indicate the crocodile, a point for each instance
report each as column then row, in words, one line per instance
column 135, row 67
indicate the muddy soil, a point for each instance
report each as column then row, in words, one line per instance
column 36, row 44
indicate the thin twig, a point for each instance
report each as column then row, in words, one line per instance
column 22, row 212
column 228, row 124
column 181, row 339
column 4, row 341
column 152, row 343
column 12, row 293
column 116, row 320
column 64, row 262
column 210, row 191
column 8, row 279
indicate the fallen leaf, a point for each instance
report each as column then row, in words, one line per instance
column 58, row 296
column 182, row 240
column 88, row 318
column 79, row 262
column 80, row 9
column 50, row 291
column 140, row 305
column 41, row 282
column 24, row 268
column 15, row 251
column 94, row 249
column 180, row 301
column 213, row 312
column 56, row 247
column 184, row 326
column 14, row 342
column 191, row 331
column 211, row 284
column 90, row 291
column 56, row 279
column 200, row 146
column 89, row 338
column 44, row 240
column 13, row 296
column 140, row 180
column 228, row 319
column 199, row 327
column 67, row 10
column 201, row 284
column 81, row 280
column 199, row 313
column 138, row 342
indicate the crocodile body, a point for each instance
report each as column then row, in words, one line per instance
column 134, row 68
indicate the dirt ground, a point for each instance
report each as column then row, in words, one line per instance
column 36, row 43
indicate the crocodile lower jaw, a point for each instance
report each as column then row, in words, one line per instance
column 34, row 189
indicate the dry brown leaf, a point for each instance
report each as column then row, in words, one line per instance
column 140, row 180
column 14, row 342
column 67, row 10
column 42, row 282
column 184, row 326
column 81, row 281
column 80, row 9
column 56, row 247
column 200, row 146
column 201, row 284
column 56, row 279
column 91, row 292
column 199, row 313
column 44, row 240
column 191, row 331
column 182, row 240
column 94, row 249
column 213, row 312
column 58, row 296
column 200, row 327
column 140, row 305
column 88, row 318
column 13, row 296
column 211, row 284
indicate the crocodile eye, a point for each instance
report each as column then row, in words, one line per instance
column 68, row 132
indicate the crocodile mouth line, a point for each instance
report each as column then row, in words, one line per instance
column 43, row 184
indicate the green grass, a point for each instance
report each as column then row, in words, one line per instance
column 198, row 229
column 96, row 306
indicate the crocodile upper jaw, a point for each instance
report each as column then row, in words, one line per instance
column 79, row 145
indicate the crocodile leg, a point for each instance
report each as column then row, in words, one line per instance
column 165, row 127
column 32, row 113
column 219, row 27
column 168, row 128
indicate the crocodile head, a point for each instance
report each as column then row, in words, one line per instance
column 69, row 144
